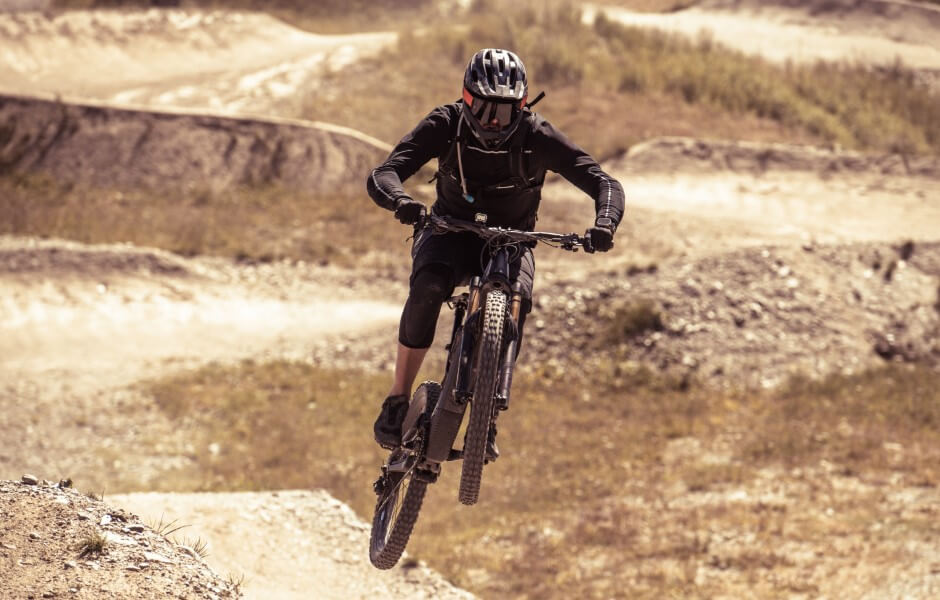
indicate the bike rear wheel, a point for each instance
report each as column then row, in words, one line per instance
column 399, row 503
column 395, row 514
column 483, row 399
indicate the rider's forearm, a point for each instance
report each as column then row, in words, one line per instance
column 605, row 190
column 609, row 201
column 384, row 183
column 385, row 187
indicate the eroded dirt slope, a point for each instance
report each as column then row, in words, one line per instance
column 108, row 146
column 58, row 543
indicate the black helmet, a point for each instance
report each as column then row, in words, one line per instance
column 494, row 92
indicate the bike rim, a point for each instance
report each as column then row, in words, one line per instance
column 393, row 504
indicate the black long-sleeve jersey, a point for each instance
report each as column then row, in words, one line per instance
column 504, row 183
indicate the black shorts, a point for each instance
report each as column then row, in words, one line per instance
column 464, row 254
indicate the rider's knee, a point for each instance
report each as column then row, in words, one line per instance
column 432, row 283
column 430, row 287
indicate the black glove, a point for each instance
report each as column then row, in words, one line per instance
column 602, row 238
column 410, row 211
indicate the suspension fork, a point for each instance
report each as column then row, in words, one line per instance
column 460, row 311
column 509, row 357
column 462, row 385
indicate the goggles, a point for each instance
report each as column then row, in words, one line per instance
column 491, row 114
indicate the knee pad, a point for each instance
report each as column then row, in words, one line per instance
column 430, row 287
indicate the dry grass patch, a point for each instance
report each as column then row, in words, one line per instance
column 885, row 419
column 632, row 320
column 276, row 425
column 254, row 224
column 639, row 83
column 592, row 481
column 93, row 543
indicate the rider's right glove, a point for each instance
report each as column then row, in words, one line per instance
column 409, row 211
column 602, row 238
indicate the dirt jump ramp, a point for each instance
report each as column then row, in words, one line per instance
column 111, row 146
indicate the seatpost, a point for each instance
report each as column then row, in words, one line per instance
column 509, row 358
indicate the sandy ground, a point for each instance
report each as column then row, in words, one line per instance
column 115, row 314
column 230, row 62
column 288, row 544
column 121, row 324
column 794, row 35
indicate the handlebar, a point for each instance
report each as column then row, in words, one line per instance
column 565, row 241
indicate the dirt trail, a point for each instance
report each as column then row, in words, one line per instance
column 222, row 61
column 114, row 314
column 870, row 32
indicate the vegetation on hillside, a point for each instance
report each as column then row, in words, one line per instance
column 597, row 487
column 607, row 73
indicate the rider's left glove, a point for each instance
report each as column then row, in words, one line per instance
column 410, row 211
column 602, row 237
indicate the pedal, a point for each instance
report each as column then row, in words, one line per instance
column 428, row 475
column 455, row 454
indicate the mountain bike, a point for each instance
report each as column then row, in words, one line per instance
column 480, row 360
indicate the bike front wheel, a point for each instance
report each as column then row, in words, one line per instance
column 484, row 394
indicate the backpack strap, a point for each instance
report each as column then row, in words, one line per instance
column 517, row 152
column 444, row 164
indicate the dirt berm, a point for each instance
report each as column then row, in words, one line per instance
column 689, row 155
column 111, row 146
column 895, row 19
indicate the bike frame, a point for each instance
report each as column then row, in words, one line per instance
column 448, row 414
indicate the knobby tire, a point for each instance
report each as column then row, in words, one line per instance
column 396, row 511
column 484, row 392
column 393, row 521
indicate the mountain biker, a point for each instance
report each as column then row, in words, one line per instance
column 493, row 153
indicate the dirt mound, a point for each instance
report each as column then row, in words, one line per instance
column 868, row 32
column 110, row 146
column 688, row 155
column 756, row 316
column 894, row 19
column 59, row 257
column 906, row 24
column 291, row 545
column 58, row 543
